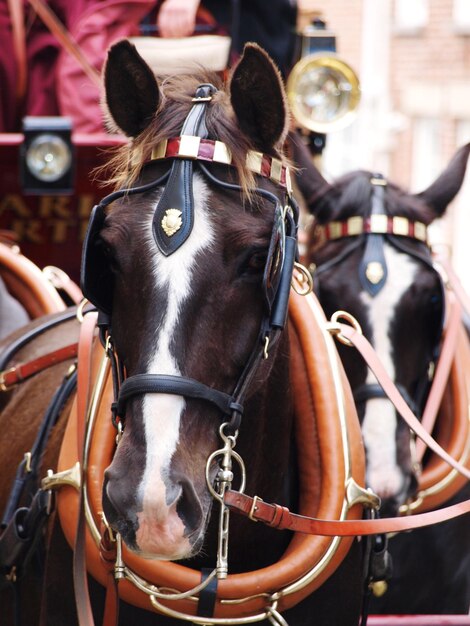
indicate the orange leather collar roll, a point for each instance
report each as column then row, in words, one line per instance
column 439, row 482
column 330, row 457
column 27, row 283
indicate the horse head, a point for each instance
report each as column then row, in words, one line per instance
column 186, row 262
column 371, row 258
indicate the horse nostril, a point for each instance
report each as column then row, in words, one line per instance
column 389, row 507
column 188, row 506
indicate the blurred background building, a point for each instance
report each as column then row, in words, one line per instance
column 413, row 61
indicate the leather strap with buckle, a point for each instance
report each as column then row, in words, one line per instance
column 22, row 371
column 281, row 518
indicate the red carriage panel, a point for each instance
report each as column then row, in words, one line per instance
column 419, row 620
column 50, row 228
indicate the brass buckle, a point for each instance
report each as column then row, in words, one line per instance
column 253, row 509
column 334, row 326
column 3, row 384
column 303, row 283
column 81, row 310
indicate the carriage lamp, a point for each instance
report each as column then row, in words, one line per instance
column 323, row 90
column 46, row 156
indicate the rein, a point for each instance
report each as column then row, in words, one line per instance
column 281, row 518
column 454, row 297
column 398, row 230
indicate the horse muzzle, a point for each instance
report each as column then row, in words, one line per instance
column 162, row 521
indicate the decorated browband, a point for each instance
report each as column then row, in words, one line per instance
column 198, row 148
column 372, row 268
column 376, row 224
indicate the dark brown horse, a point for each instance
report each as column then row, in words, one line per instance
column 370, row 257
column 190, row 268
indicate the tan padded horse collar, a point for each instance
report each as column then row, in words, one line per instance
column 328, row 434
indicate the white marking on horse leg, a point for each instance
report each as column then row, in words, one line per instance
column 161, row 530
column 379, row 426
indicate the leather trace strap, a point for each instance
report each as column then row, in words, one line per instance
column 22, row 371
column 281, row 518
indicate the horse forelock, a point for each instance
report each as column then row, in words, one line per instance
column 351, row 194
column 176, row 102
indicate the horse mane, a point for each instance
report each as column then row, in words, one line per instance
column 176, row 93
column 350, row 195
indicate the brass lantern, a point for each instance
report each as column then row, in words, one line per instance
column 323, row 90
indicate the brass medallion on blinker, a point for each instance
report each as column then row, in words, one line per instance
column 374, row 272
column 171, row 222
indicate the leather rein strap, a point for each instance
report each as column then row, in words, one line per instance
column 65, row 39
column 375, row 365
column 16, row 11
column 442, row 372
column 281, row 518
column 22, row 371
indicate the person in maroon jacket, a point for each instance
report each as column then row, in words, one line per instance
column 39, row 94
column 57, row 84
column 271, row 23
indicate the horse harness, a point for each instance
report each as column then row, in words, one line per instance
column 409, row 237
column 97, row 287
column 171, row 228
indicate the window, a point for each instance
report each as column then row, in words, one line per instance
column 426, row 164
column 461, row 16
column 411, row 16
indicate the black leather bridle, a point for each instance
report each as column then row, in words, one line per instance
column 97, row 280
column 372, row 243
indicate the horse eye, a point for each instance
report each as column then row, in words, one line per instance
column 255, row 264
column 109, row 255
column 436, row 301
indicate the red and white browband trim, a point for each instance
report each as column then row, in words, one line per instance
column 190, row 147
column 376, row 224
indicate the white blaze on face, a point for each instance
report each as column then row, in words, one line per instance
column 160, row 530
column 379, row 427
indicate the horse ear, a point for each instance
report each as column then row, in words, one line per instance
column 443, row 190
column 132, row 93
column 258, row 98
column 308, row 178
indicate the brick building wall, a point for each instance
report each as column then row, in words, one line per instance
column 413, row 60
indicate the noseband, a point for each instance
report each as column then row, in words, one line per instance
column 372, row 232
column 171, row 228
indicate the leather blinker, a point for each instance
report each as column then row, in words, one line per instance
column 174, row 216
